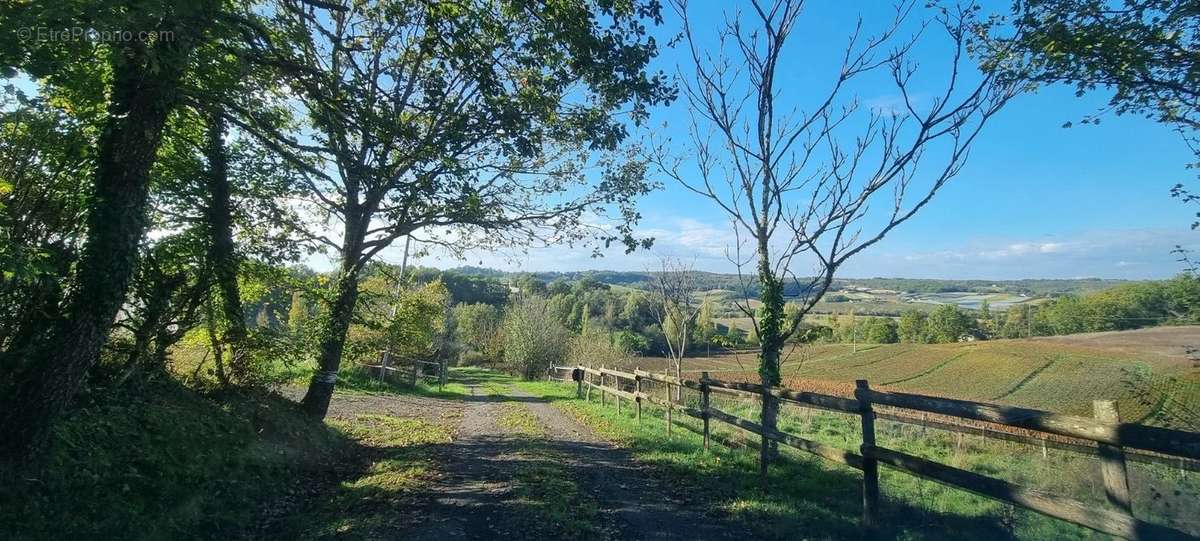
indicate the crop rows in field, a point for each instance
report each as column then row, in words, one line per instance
column 1037, row 374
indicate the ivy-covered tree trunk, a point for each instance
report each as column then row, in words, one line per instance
column 144, row 90
column 157, row 305
column 221, row 254
column 341, row 312
column 770, row 336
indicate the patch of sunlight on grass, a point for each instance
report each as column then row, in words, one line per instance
column 389, row 478
column 387, row 431
column 519, row 419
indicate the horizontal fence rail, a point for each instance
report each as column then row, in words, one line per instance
column 1112, row 440
column 408, row 371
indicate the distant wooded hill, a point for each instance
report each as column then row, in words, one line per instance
column 732, row 282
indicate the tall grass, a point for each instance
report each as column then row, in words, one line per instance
column 805, row 494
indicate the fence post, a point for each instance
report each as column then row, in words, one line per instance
column 870, row 465
column 637, row 393
column 383, row 366
column 602, row 393
column 441, row 374
column 704, row 404
column 670, row 405
column 415, row 369
column 617, row 386
column 587, row 376
column 1112, row 460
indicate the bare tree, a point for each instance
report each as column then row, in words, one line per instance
column 675, row 308
column 799, row 182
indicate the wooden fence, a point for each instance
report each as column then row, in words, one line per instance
column 1111, row 438
column 408, row 372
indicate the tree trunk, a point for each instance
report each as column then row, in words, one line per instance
column 679, row 376
column 341, row 311
column 214, row 343
column 221, row 254
column 333, row 339
column 161, row 289
column 770, row 337
column 144, row 90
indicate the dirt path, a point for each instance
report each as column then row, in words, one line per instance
column 478, row 494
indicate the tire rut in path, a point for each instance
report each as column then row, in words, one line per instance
column 473, row 499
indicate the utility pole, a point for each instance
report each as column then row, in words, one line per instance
column 387, row 355
column 403, row 268
column 853, row 333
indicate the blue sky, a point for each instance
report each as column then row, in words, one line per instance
column 1035, row 200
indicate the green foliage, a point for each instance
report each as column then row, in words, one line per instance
column 419, row 319
column 597, row 348
column 533, row 339
column 705, row 328
column 45, row 154
column 465, row 288
column 913, row 327
column 880, row 330
column 1144, row 51
column 161, row 461
column 529, row 284
column 477, row 328
column 948, row 323
column 1123, row 307
column 297, row 313
column 631, row 341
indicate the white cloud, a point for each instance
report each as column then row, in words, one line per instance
column 1124, row 253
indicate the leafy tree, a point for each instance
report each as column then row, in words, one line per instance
column 597, row 348
column 533, row 339
column 637, row 311
column 418, row 320
column 1145, row 52
column 880, row 330
column 297, row 313
column 45, row 157
column 706, row 328
column 913, row 327
column 558, row 287
column 631, row 341
column 1067, row 315
column 142, row 89
column 948, row 323
column 529, row 284
column 473, row 124
column 478, row 328
column 1018, row 322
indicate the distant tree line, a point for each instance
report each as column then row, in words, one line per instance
column 1122, row 307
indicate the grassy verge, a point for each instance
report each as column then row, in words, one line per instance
column 166, row 462
column 802, row 493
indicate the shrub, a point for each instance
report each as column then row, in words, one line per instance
column 534, row 339
column 631, row 341
column 477, row 329
column 596, row 348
